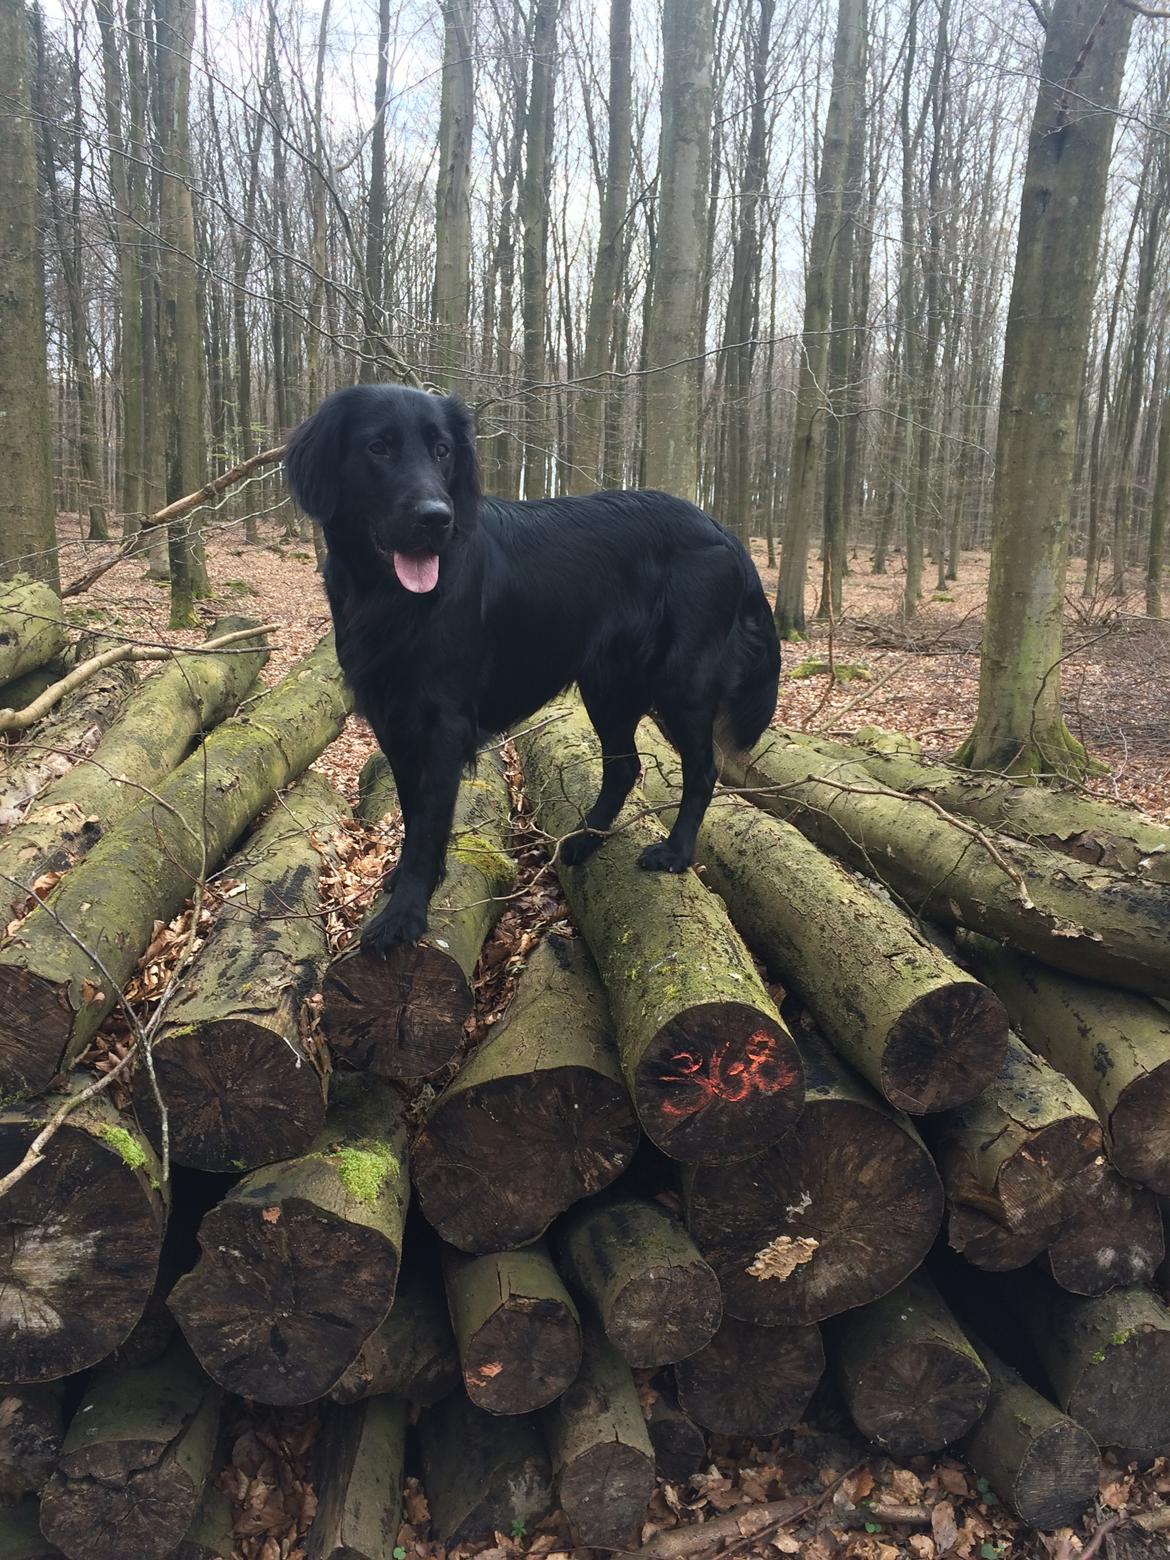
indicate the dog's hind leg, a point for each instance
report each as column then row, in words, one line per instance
column 691, row 731
column 620, row 767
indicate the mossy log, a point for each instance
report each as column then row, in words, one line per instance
column 54, row 992
column 67, row 736
column 242, row 1085
column 1111, row 1237
column 1042, row 1464
column 837, row 1213
column 1017, row 1152
column 359, row 1483
column 923, row 1032
column 412, row 1355
column 134, row 1462
column 20, row 1533
column 1063, row 819
column 31, row 1427
column 32, row 626
column 680, row 1445
column 911, row 1379
column 300, row 1260
column 1109, row 926
column 211, row 1535
column 751, row 1380
column 1113, row 1045
column 80, row 1237
column 516, row 1328
column 540, row 1109
column 1108, row 1359
column 642, row 1279
column 710, row 1065
column 602, row 1459
column 402, row 1015
column 155, row 730
column 483, row 1474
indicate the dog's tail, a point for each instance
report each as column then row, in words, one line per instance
column 752, row 674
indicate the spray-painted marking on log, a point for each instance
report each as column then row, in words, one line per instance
column 726, row 1075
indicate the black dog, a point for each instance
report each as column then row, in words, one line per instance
column 458, row 615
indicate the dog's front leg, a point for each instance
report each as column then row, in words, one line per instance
column 433, row 786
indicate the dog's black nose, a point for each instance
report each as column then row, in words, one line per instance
column 433, row 513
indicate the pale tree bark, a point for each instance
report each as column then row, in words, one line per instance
column 453, row 194
column 1159, row 518
column 505, row 461
column 534, row 209
column 591, row 453
column 672, row 388
column 376, row 212
column 181, row 354
column 27, row 520
column 808, row 429
column 1020, row 726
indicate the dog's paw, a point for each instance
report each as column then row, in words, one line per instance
column 397, row 926
column 664, row 857
column 577, row 849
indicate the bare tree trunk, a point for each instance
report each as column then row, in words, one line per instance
column 808, row 431
column 1020, row 726
column 453, row 193
column 376, row 216
column 28, row 541
column 534, row 195
column 1159, row 516
column 672, row 410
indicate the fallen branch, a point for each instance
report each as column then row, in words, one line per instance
column 21, row 720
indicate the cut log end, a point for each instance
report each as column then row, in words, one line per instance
column 1139, row 1130
column 945, row 1048
column 751, row 1380
column 664, row 1314
column 988, row 1245
column 1112, row 1238
column 1057, row 1476
column 237, row 1096
column 918, row 1397
column 547, row 1138
column 36, row 1018
column 523, row 1357
column 720, row 1081
column 399, row 1016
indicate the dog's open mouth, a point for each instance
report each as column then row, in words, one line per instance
column 418, row 571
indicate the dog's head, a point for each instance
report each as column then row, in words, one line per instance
column 391, row 476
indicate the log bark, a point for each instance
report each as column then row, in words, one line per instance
column 712, row 1070
column 642, row 1279
column 540, row 1109
column 20, row 1533
column 402, row 1016
column 1114, row 1046
column 412, row 1355
column 1058, row 818
column 153, row 733
column 211, row 1535
column 1109, row 926
column 32, row 627
column 1017, row 1153
column 32, row 1425
column 922, row 1031
column 910, row 1377
column 243, row 1080
column 602, row 1460
column 300, row 1260
column 53, row 993
column 33, row 761
column 516, row 1328
column 1108, row 1360
column 1042, row 1464
column 751, row 1380
column 359, row 1488
column 80, row 1238
column 1111, row 1237
column 834, row 1215
column 134, row 1461
column 482, row 1473
column 680, row 1445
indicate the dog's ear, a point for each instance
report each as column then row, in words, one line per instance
column 311, row 461
column 465, row 483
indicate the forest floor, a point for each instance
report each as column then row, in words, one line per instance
column 830, row 1496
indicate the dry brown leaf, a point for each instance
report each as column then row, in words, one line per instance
column 943, row 1527
column 857, row 1485
column 921, row 1546
column 906, row 1486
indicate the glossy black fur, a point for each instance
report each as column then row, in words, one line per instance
column 640, row 598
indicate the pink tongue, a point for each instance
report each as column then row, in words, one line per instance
column 417, row 572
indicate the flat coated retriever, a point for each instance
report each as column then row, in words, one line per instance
column 458, row 615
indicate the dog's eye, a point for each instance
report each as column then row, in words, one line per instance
column 378, row 447
column 442, row 450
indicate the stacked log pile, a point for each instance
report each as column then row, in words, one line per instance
column 710, row 1156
